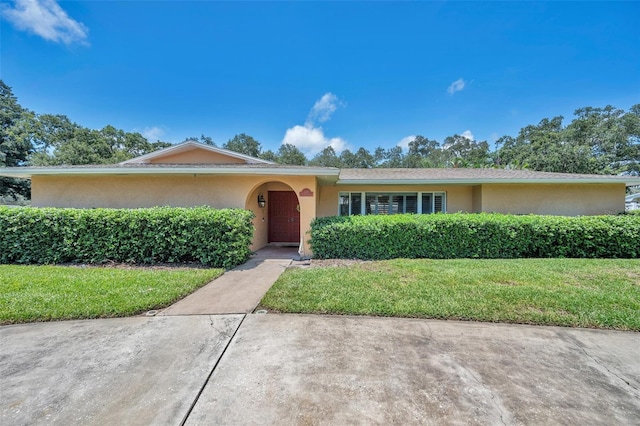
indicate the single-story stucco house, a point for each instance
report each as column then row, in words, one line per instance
column 285, row 198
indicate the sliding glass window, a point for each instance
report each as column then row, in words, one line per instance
column 350, row 203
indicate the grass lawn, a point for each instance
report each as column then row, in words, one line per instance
column 600, row 293
column 44, row 293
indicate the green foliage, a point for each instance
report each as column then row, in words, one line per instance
column 58, row 141
column 14, row 144
column 290, row 154
column 595, row 293
column 219, row 238
column 44, row 293
column 482, row 235
column 326, row 158
column 207, row 140
column 244, row 144
column 599, row 141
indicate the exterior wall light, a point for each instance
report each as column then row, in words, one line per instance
column 261, row 201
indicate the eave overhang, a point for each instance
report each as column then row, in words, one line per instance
column 480, row 181
column 328, row 175
column 28, row 172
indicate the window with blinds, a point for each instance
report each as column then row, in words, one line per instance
column 351, row 203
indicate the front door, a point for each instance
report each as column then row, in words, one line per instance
column 284, row 217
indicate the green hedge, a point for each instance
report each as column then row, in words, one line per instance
column 447, row 236
column 219, row 238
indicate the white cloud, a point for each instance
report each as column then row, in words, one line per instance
column 47, row 19
column 456, row 86
column 467, row 134
column 323, row 108
column 152, row 134
column 404, row 142
column 312, row 140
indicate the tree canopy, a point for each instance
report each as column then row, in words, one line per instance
column 598, row 141
column 14, row 143
column 30, row 139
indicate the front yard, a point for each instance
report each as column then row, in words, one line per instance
column 598, row 293
column 44, row 293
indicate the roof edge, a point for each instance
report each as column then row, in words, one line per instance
column 471, row 181
column 191, row 143
column 27, row 172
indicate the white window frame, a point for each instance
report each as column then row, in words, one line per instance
column 363, row 199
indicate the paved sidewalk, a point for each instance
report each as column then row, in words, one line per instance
column 122, row 371
column 339, row 370
column 314, row 370
column 239, row 290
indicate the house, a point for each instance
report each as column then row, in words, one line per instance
column 285, row 198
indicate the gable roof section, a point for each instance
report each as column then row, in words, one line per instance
column 470, row 176
column 190, row 146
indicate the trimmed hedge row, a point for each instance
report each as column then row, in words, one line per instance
column 218, row 238
column 460, row 235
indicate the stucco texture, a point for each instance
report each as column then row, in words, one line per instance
column 131, row 191
column 558, row 199
column 234, row 191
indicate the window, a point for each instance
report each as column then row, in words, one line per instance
column 351, row 203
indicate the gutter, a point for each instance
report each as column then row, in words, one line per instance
column 481, row 181
column 25, row 173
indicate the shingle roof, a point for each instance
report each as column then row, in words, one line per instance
column 467, row 176
column 330, row 174
column 164, row 168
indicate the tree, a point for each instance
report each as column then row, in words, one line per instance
column 537, row 147
column 244, row 144
column 290, row 154
column 364, row 159
column 207, row 140
column 598, row 140
column 348, row 159
column 361, row 159
column 14, row 143
column 460, row 151
column 326, row 158
column 269, row 155
column 610, row 135
column 61, row 142
column 424, row 152
column 393, row 158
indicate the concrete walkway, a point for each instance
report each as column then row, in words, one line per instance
column 239, row 290
column 314, row 370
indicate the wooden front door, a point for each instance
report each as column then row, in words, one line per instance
column 284, row 217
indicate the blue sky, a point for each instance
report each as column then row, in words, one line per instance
column 317, row 73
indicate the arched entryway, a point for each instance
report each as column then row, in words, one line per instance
column 277, row 214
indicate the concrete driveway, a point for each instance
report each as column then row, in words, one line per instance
column 305, row 369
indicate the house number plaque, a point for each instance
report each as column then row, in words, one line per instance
column 306, row 193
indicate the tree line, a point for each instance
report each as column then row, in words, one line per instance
column 597, row 140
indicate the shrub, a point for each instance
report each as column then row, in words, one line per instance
column 219, row 238
column 447, row 236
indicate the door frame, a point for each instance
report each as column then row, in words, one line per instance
column 271, row 225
